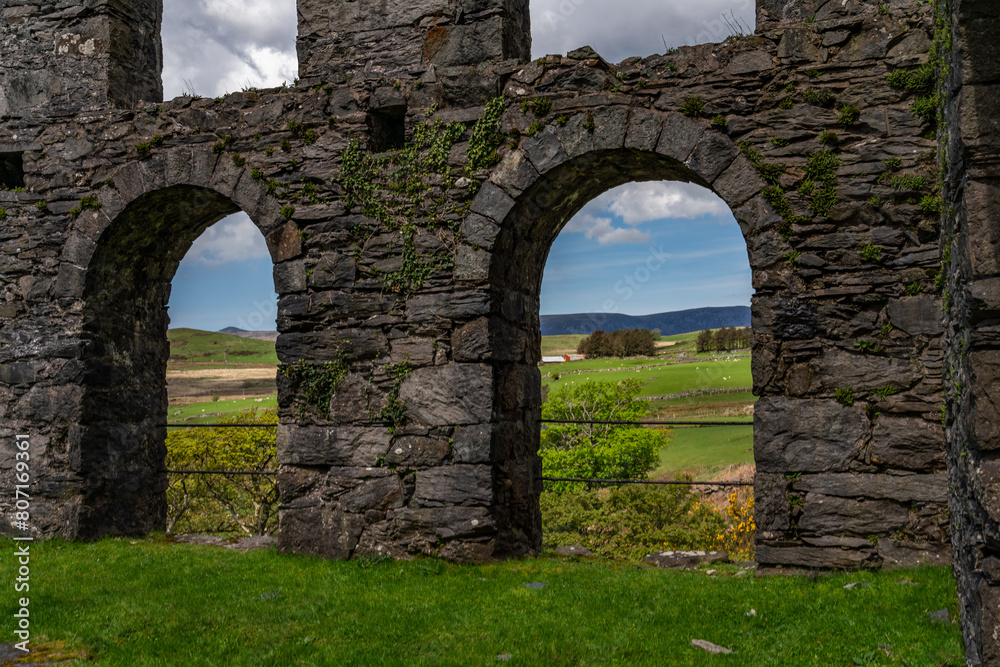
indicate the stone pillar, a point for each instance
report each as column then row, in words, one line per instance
column 391, row 38
column 79, row 55
column 971, row 239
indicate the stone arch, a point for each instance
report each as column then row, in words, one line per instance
column 155, row 211
column 518, row 214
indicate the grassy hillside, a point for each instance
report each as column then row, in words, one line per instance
column 191, row 347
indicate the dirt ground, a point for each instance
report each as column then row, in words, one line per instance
column 230, row 382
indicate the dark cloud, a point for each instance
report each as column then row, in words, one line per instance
column 220, row 46
column 621, row 28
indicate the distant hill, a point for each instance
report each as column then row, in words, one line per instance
column 193, row 346
column 680, row 321
column 256, row 335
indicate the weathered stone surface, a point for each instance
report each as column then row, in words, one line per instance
column 907, row 443
column 452, row 394
column 826, row 515
column 335, row 446
column 813, row 557
column 331, row 534
column 459, row 485
column 810, row 435
column 903, row 488
column 916, row 315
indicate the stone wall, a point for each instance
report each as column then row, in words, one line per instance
column 424, row 295
column 971, row 156
column 79, row 55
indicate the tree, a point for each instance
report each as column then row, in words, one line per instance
column 602, row 451
column 620, row 343
column 224, row 503
column 704, row 341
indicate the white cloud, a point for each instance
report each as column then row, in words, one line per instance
column 604, row 231
column 232, row 239
column 636, row 203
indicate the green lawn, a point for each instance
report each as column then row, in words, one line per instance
column 707, row 450
column 193, row 346
column 142, row 602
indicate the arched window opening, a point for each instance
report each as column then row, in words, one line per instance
column 214, row 48
column 222, row 370
column 127, row 410
column 645, row 317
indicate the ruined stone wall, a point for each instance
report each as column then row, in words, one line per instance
column 414, row 275
column 403, row 38
column 76, row 56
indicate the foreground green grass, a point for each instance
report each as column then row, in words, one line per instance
column 153, row 603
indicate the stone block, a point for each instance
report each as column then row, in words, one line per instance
column 472, row 265
column 679, row 136
column 492, row 202
column 713, row 154
column 449, row 395
column 417, row 452
column 327, row 533
column 544, row 150
column 831, row 515
column 337, row 445
column 917, row 315
column 908, row 443
column 807, row 435
column 445, row 523
column 931, row 488
column 480, row 231
column 812, row 557
column 985, row 413
column 473, row 444
column 471, row 342
column 454, row 485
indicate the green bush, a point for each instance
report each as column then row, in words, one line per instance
column 240, row 504
column 630, row 522
column 598, row 451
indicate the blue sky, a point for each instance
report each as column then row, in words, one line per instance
column 637, row 249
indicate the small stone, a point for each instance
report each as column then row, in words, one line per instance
column 940, row 616
column 710, row 572
column 573, row 550
column 504, row 657
column 583, row 53
column 463, row 182
column 752, row 612
column 709, row 646
column 854, row 584
column 535, row 584
column 685, row 559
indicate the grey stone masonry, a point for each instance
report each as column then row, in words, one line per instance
column 384, row 38
column 78, row 55
column 415, row 274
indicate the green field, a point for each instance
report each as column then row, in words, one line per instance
column 566, row 344
column 193, row 347
column 209, row 413
column 662, row 380
column 149, row 602
column 705, row 450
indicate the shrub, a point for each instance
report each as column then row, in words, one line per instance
column 243, row 504
column 737, row 539
column 630, row 522
column 598, row 451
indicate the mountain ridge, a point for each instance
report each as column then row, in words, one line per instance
column 669, row 323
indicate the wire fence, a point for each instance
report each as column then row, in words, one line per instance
column 586, row 480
